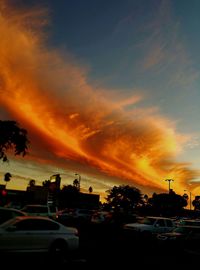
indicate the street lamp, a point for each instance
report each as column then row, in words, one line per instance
column 169, row 180
column 79, row 180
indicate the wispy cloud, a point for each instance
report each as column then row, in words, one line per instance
column 164, row 49
column 72, row 125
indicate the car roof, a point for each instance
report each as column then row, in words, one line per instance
column 11, row 209
column 36, row 205
column 32, row 217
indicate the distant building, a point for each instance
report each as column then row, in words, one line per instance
column 55, row 181
column 89, row 201
column 37, row 195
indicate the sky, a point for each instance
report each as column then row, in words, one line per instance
column 108, row 90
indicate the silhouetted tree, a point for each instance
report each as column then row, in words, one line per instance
column 124, row 196
column 31, row 183
column 185, row 196
column 46, row 183
column 76, row 183
column 12, row 137
column 196, row 203
column 7, row 177
column 167, row 203
column 145, row 199
column 90, row 189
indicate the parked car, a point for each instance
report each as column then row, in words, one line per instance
column 102, row 217
column 178, row 233
column 40, row 210
column 189, row 222
column 38, row 234
column 151, row 225
column 74, row 216
column 9, row 213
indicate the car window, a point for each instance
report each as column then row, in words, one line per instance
column 35, row 209
column 36, row 224
column 147, row 221
column 169, row 223
column 160, row 223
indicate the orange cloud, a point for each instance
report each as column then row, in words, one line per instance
column 68, row 119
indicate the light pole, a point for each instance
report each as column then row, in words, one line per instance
column 169, row 180
column 79, row 180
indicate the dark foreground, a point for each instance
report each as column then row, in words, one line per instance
column 107, row 247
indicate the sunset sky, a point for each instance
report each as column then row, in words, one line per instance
column 105, row 89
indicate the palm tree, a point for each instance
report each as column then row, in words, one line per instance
column 7, row 177
column 90, row 189
column 32, row 183
column 76, row 184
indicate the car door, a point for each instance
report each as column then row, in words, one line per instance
column 169, row 225
column 43, row 234
column 17, row 236
column 160, row 226
column 40, row 233
column 29, row 235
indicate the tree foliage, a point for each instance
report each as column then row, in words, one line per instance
column 32, row 183
column 69, row 196
column 124, row 196
column 7, row 177
column 76, row 183
column 168, row 203
column 46, row 183
column 196, row 203
column 12, row 137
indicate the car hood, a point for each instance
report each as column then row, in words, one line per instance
column 136, row 225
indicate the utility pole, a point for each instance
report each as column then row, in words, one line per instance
column 169, row 180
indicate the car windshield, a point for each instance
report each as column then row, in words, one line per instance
column 35, row 209
column 8, row 223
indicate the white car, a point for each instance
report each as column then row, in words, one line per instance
column 38, row 234
column 9, row 213
column 151, row 225
column 40, row 210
